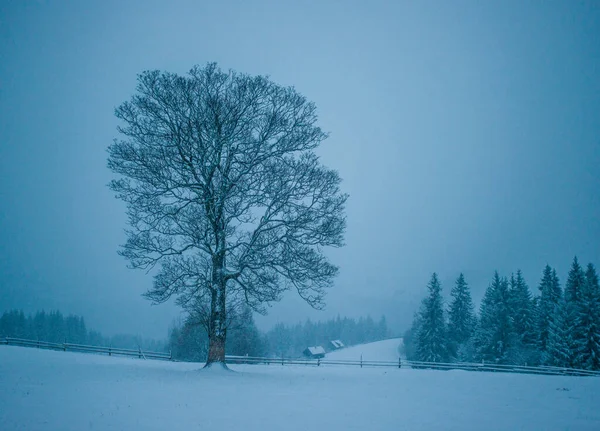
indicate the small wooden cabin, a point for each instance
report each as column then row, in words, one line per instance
column 336, row 344
column 314, row 352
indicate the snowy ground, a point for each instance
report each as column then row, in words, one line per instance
column 45, row 390
column 386, row 350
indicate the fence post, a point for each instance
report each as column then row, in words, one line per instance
column 282, row 359
column 361, row 360
column 109, row 350
column 139, row 352
column 65, row 345
column 318, row 362
column 399, row 362
column 170, row 355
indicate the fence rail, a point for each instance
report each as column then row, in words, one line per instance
column 400, row 363
column 72, row 347
column 489, row 367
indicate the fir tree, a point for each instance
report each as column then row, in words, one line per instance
column 409, row 339
column 244, row 337
column 382, row 329
column 558, row 345
column 431, row 338
column 573, row 293
column 522, row 310
column 550, row 296
column 575, row 282
column 494, row 337
column 461, row 322
column 587, row 322
column 522, row 321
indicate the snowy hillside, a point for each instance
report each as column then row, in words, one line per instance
column 386, row 350
column 47, row 390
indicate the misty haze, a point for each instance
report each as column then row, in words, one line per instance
column 313, row 215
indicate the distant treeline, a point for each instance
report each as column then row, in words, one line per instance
column 559, row 327
column 54, row 327
column 291, row 340
column 189, row 342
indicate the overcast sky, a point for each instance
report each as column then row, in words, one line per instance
column 467, row 135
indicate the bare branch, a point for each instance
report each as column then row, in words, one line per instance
column 224, row 193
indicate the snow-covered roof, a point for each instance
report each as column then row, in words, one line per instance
column 316, row 350
column 337, row 344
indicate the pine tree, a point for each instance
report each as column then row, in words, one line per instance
column 558, row 345
column 575, row 282
column 494, row 337
column 587, row 322
column 522, row 320
column 550, row 298
column 573, row 292
column 461, row 322
column 431, row 338
column 409, row 339
column 382, row 329
column 244, row 337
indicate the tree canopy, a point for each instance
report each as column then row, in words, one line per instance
column 225, row 194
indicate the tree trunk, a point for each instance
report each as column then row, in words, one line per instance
column 216, row 349
column 218, row 329
column 217, row 334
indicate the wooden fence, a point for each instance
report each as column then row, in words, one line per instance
column 489, row 367
column 70, row 347
column 230, row 359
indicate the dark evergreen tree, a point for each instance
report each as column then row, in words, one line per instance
column 573, row 295
column 525, row 350
column 244, row 337
column 467, row 351
column 522, row 310
column 550, row 297
column 280, row 342
column 494, row 338
column 75, row 330
column 409, row 339
column 575, row 282
column 431, row 342
column 587, row 343
column 40, row 326
column 461, row 322
column 558, row 345
column 535, row 313
column 14, row 324
column 188, row 342
column 382, row 329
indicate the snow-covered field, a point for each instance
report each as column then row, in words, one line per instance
column 46, row 390
column 386, row 350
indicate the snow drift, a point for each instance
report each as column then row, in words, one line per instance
column 48, row 390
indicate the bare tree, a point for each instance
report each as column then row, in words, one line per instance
column 225, row 195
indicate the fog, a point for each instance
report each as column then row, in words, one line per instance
column 466, row 133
